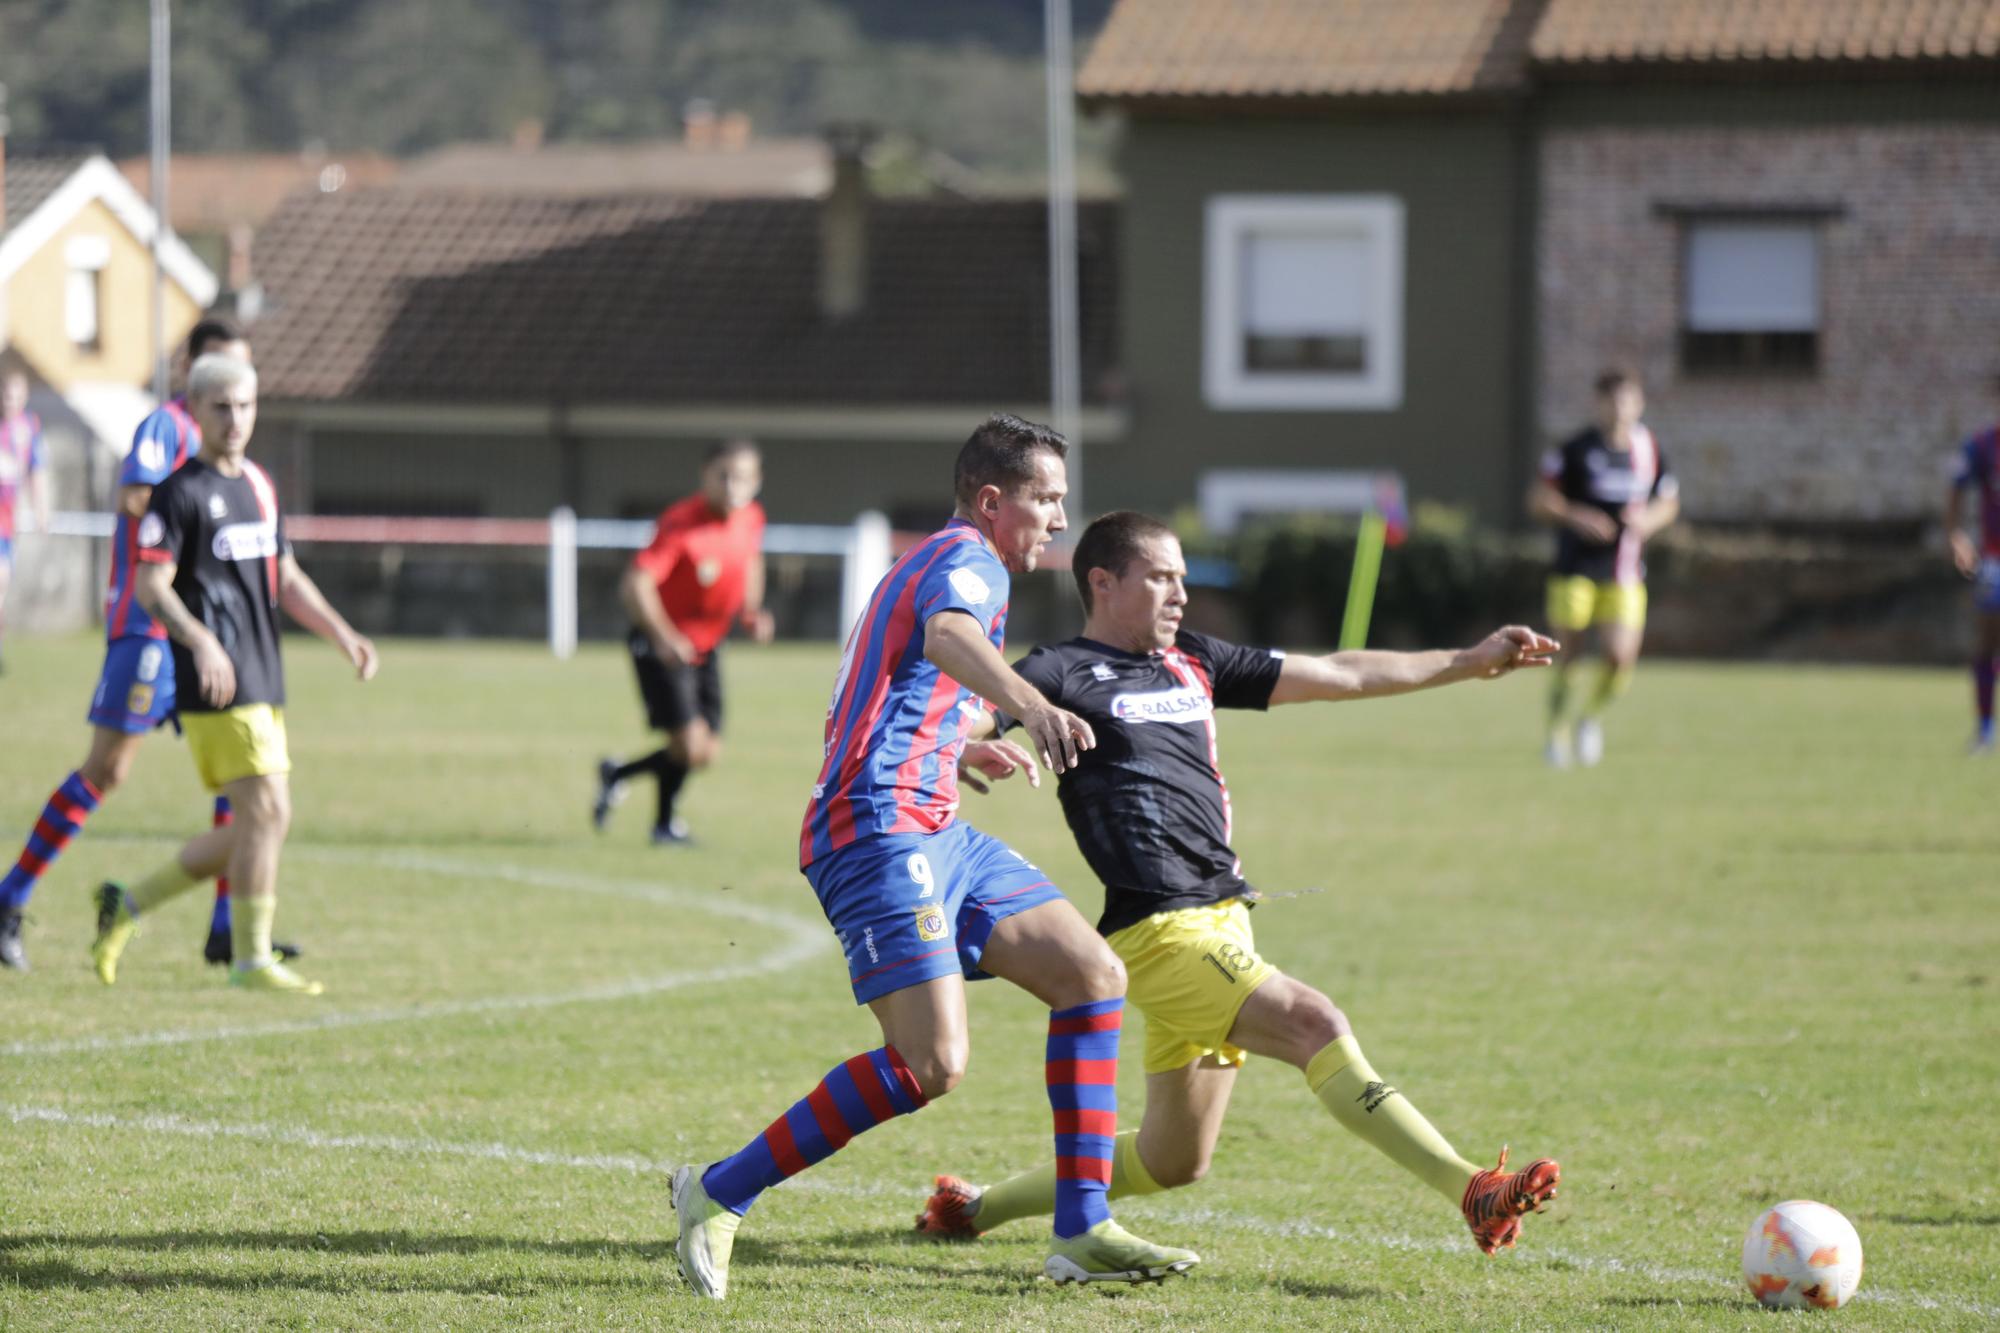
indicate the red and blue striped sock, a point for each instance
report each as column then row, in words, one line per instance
column 852, row 1098
column 219, row 921
column 62, row 818
column 1083, row 1090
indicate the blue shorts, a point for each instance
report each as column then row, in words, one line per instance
column 1986, row 591
column 6, row 550
column 912, row 907
column 136, row 691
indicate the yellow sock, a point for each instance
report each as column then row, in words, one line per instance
column 165, row 883
column 250, row 929
column 1033, row 1193
column 1341, row 1077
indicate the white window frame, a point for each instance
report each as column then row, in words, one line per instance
column 83, row 292
column 1229, row 384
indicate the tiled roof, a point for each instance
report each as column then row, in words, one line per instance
column 1220, row 49
column 399, row 294
column 30, row 182
column 213, row 191
column 1719, row 31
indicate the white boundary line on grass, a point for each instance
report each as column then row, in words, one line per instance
column 799, row 940
column 1281, row 1228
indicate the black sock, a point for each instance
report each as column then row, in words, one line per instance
column 671, row 776
column 643, row 764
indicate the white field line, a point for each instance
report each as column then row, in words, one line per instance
column 1214, row 1219
column 798, row 938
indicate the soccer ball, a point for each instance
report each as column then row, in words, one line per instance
column 1802, row 1253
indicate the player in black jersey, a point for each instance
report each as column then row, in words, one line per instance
column 1606, row 491
column 215, row 569
column 1150, row 811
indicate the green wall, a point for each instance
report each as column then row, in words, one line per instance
column 1457, row 435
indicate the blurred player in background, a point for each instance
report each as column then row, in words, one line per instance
column 922, row 902
column 1606, row 491
column 1150, row 812
column 1978, row 468
column 702, row 574
column 213, row 567
column 21, row 462
column 135, row 687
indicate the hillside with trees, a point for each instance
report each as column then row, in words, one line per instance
column 958, row 77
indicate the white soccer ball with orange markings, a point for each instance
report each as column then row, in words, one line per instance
column 1802, row 1253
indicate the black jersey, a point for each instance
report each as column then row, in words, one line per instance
column 1149, row 807
column 224, row 536
column 1588, row 471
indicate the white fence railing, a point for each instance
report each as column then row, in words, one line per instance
column 863, row 547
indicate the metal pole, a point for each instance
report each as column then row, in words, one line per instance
column 1065, row 372
column 160, row 130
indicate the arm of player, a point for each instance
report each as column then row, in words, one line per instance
column 1370, row 674
column 215, row 675
column 641, row 599
column 755, row 618
column 305, row 603
column 987, row 758
column 132, row 501
column 1654, row 516
column 1548, row 505
column 956, row 644
column 1964, row 555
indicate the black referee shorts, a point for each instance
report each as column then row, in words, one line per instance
column 676, row 695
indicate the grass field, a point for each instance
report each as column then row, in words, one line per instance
column 1751, row 958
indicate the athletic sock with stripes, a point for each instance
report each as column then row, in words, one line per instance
column 853, row 1098
column 62, row 819
column 1083, row 1093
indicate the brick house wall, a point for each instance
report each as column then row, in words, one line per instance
column 1910, row 292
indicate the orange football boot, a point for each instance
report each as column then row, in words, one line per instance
column 944, row 1215
column 1495, row 1200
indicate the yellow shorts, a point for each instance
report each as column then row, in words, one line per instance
column 1577, row 602
column 246, row 742
column 1189, row 972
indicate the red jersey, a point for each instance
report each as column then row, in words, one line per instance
column 700, row 561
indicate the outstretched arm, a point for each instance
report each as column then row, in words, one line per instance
column 215, row 674
column 956, row 644
column 305, row 603
column 1371, row 674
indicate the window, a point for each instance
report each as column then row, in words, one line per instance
column 1751, row 298
column 83, row 293
column 1304, row 302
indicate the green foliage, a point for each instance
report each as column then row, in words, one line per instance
column 389, row 75
column 1749, row 959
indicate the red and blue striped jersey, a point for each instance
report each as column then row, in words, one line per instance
column 21, row 457
column 897, row 724
column 166, row 439
column 1979, row 465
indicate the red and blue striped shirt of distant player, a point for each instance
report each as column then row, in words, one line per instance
column 167, row 438
column 1979, row 465
column 897, row 724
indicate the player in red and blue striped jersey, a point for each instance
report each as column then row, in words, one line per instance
column 135, row 690
column 1979, row 469
column 922, row 902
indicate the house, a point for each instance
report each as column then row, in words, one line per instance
column 451, row 351
column 76, row 306
column 1369, row 236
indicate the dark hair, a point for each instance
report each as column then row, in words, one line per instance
column 1613, row 378
column 1112, row 542
column 1002, row 453
column 729, row 449
column 212, row 329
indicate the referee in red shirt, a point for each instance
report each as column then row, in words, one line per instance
column 702, row 574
